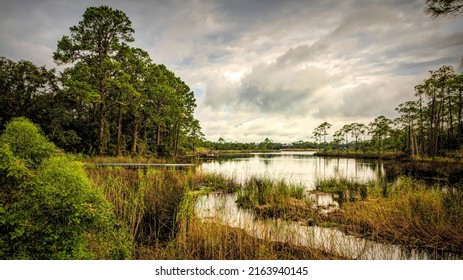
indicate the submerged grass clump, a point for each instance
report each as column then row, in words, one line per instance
column 270, row 198
column 264, row 190
column 345, row 189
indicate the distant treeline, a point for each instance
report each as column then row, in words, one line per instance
column 429, row 125
column 110, row 100
column 267, row 144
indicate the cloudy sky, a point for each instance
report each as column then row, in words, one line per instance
column 266, row 68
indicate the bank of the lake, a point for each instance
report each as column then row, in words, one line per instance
column 155, row 211
column 159, row 208
column 359, row 154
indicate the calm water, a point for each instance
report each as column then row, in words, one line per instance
column 300, row 167
column 305, row 168
column 222, row 208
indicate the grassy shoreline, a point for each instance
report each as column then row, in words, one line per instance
column 155, row 210
column 154, row 207
column 408, row 213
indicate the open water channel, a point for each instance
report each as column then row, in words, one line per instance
column 304, row 168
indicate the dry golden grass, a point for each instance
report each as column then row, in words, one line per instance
column 412, row 214
column 157, row 210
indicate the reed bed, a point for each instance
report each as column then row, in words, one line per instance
column 408, row 212
column 270, row 198
column 155, row 215
column 155, row 211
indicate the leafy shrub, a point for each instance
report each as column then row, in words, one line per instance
column 47, row 204
column 26, row 141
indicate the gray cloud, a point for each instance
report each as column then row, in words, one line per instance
column 266, row 68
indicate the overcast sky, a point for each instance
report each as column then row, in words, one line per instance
column 266, row 68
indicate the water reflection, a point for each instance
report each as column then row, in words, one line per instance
column 299, row 167
column 222, row 208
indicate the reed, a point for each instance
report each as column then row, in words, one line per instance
column 214, row 241
column 155, row 209
column 344, row 190
column 270, row 198
column 412, row 213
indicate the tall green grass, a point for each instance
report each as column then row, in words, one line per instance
column 345, row 189
column 271, row 198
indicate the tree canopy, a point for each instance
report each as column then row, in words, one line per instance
column 111, row 98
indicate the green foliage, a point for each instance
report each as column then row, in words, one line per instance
column 47, row 204
column 119, row 90
column 26, row 142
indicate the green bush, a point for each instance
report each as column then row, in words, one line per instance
column 48, row 206
column 26, row 141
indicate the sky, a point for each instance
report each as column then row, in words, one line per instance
column 266, row 68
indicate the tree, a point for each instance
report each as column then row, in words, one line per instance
column 444, row 7
column 267, row 144
column 92, row 48
column 409, row 114
column 457, row 84
column 321, row 131
column 356, row 130
column 134, row 62
column 337, row 138
column 380, row 128
column 346, row 129
column 438, row 92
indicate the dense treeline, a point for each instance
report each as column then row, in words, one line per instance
column 267, row 144
column 430, row 125
column 110, row 100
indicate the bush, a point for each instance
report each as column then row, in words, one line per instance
column 26, row 141
column 47, row 204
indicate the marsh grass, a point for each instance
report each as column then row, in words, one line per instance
column 271, row 198
column 412, row 213
column 155, row 213
column 345, row 190
column 442, row 171
column 213, row 240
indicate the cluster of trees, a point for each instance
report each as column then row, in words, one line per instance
column 430, row 125
column 110, row 99
column 266, row 144
column 221, row 144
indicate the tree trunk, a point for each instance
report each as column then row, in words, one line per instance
column 460, row 121
column 101, row 135
column 119, row 132
column 158, row 135
column 135, row 125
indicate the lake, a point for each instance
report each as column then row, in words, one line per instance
column 304, row 168
column 298, row 167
